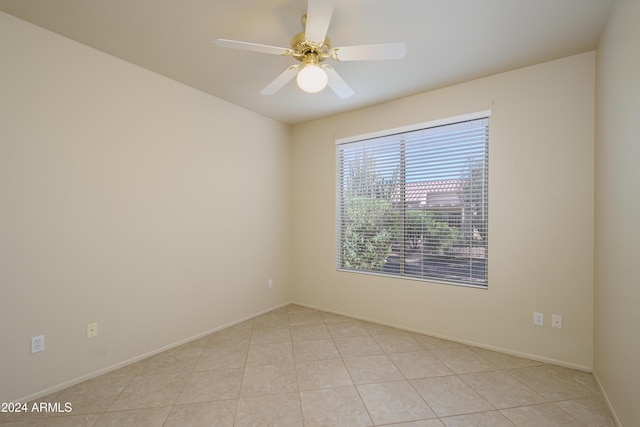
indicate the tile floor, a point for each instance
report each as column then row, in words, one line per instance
column 300, row 367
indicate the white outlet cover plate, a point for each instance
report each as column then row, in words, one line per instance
column 92, row 330
column 37, row 344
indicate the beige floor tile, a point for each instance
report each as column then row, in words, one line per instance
column 18, row 423
column 335, row 407
column 305, row 318
column 397, row 343
column 585, row 379
column 171, row 362
column 295, row 308
column 16, row 418
column 196, row 344
column 372, row 369
column 281, row 410
column 270, row 354
column 421, row 423
column 505, row 361
column 284, row 310
column 85, row 420
column 311, row 331
column 377, row 329
column 322, row 374
column 94, row 396
column 210, row 414
column 231, row 337
column 358, row 346
column 501, row 389
column 306, row 351
column 551, row 385
column 130, row 371
column 394, row 402
column 450, row 396
column 433, row 343
column 207, row 386
column 463, row 360
column 150, row 391
column 269, row 379
column 419, row 364
column 271, row 335
column 272, row 320
column 351, row 328
column 482, row 419
column 222, row 358
column 151, row 417
column 48, row 408
column 247, row 324
column 592, row 411
column 334, row 318
column 547, row 415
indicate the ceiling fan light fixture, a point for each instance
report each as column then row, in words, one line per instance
column 311, row 78
column 311, row 47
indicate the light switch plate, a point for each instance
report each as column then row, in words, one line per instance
column 538, row 319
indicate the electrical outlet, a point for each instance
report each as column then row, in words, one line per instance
column 37, row 344
column 538, row 319
column 556, row 321
column 270, row 283
column 92, row 330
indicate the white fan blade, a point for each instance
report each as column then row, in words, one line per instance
column 336, row 83
column 319, row 14
column 280, row 81
column 369, row 52
column 254, row 47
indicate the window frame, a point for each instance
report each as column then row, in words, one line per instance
column 485, row 114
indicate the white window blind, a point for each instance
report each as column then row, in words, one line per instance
column 415, row 204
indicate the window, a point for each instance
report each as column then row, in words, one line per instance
column 413, row 202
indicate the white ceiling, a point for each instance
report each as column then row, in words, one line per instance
column 448, row 41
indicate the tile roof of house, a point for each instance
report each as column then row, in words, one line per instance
column 418, row 191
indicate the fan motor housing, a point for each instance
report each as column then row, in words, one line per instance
column 302, row 47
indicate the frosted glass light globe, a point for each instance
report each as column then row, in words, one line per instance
column 312, row 78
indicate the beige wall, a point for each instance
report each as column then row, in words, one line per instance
column 617, row 230
column 130, row 200
column 541, row 216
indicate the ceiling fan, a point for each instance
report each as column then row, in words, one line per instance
column 312, row 47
